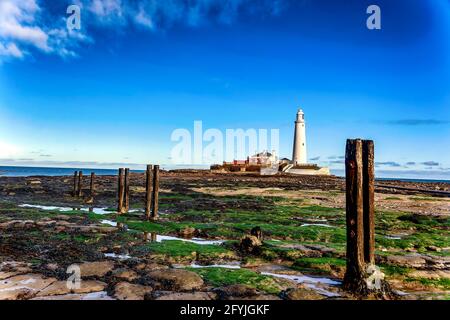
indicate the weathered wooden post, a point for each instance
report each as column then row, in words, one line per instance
column 362, row 276
column 369, row 201
column 92, row 187
column 75, row 183
column 80, row 184
column 155, row 197
column 120, row 191
column 355, row 273
column 148, row 190
column 127, row 190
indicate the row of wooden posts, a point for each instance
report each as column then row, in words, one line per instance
column 151, row 191
column 78, row 184
column 123, row 192
column 360, row 213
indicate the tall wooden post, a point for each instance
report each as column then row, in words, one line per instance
column 127, row 190
column 75, row 183
column 80, row 184
column 120, row 191
column 354, row 217
column 360, row 217
column 148, row 190
column 155, row 198
column 369, row 205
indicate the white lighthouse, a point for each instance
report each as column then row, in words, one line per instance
column 299, row 153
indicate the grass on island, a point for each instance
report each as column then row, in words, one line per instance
column 219, row 277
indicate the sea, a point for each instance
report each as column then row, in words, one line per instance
column 12, row 171
column 15, row 171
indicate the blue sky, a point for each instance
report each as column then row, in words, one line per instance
column 113, row 92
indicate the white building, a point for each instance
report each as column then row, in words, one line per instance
column 299, row 164
column 263, row 158
column 299, row 156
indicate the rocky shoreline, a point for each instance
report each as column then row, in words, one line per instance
column 198, row 251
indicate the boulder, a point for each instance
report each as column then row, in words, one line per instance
column 128, row 291
column 177, row 279
column 23, row 286
column 410, row 261
column 61, row 288
column 433, row 248
column 125, row 274
column 188, row 232
column 13, row 268
column 96, row 269
column 250, row 244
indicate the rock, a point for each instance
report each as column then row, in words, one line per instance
column 90, row 286
column 301, row 294
column 258, row 297
column 64, row 224
column 128, row 291
column 103, row 229
column 149, row 267
column 437, row 262
column 63, row 217
column 433, row 248
column 188, row 232
column 34, row 182
column 96, row 269
column 411, row 261
column 236, row 290
column 45, row 223
column 430, row 274
column 23, row 286
column 125, row 274
column 176, row 279
column 250, row 244
column 13, row 268
column 117, row 249
column 52, row 266
column 57, row 288
column 61, row 288
column 89, row 296
column 199, row 296
column 323, row 249
column 8, row 274
column 17, row 224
